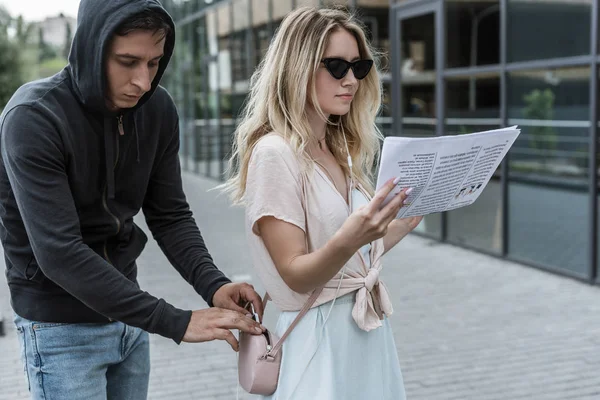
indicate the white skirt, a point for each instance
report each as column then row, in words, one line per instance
column 348, row 364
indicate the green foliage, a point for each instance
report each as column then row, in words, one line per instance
column 539, row 106
column 46, row 51
column 68, row 40
column 11, row 74
column 24, row 31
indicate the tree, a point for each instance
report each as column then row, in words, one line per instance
column 24, row 31
column 540, row 106
column 11, row 72
column 5, row 21
column 46, row 51
column 68, row 40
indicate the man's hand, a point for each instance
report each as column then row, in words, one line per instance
column 234, row 296
column 215, row 323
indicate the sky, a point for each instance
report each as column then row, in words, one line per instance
column 37, row 10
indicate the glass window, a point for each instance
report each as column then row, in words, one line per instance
column 474, row 96
column 224, row 20
column 598, row 191
column 187, row 104
column 281, row 8
column 261, row 36
column 539, row 29
column 373, row 3
column 346, row 3
column 548, row 168
column 309, row 3
column 198, row 87
column 240, row 41
column 260, row 12
column 375, row 17
column 473, row 105
column 195, row 6
column 473, row 33
column 417, row 72
column 384, row 120
column 417, row 91
column 480, row 224
column 210, row 59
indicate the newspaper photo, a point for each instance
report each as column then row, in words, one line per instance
column 445, row 172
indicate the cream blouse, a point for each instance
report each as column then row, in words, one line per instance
column 275, row 187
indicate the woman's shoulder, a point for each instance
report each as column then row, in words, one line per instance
column 273, row 141
column 276, row 156
column 274, row 144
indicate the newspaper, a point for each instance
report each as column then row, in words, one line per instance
column 445, row 172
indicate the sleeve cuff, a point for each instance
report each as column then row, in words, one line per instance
column 213, row 289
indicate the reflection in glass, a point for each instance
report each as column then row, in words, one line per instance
column 539, row 29
column 475, row 96
column 432, row 224
column 261, row 35
column 417, row 82
column 417, row 130
column 418, row 100
column 384, row 119
column 386, row 100
column 281, row 8
column 302, row 3
column 473, row 33
column 239, row 42
column 552, row 107
column 224, row 60
column 375, row 17
column 480, row 224
column 418, row 69
column 373, row 3
column 418, row 48
column 548, row 168
column 329, row 3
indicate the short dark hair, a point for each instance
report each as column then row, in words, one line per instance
column 148, row 20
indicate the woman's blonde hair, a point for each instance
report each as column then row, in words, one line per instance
column 283, row 86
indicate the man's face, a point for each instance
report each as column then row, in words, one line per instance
column 131, row 65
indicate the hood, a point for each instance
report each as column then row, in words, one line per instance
column 97, row 20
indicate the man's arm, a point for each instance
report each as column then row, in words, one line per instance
column 34, row 157
column 170, row 219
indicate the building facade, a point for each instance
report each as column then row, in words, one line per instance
column 449, row 67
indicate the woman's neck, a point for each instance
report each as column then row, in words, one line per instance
column 318, row 129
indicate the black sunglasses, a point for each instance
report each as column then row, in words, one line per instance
column 338, row 67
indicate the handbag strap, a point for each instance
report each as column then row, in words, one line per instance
column 313, row 297
column 311, row 300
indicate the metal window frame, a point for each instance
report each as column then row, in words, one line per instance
column 402, row 12
column 200, row 138
column 413, row 8
column 593, row 171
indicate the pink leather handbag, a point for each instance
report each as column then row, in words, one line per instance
column 259, row 358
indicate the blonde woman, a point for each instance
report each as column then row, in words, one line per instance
column 302, row 157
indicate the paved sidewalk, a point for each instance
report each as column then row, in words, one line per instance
column 467, row 326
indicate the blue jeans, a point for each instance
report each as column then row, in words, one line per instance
column 90, row 361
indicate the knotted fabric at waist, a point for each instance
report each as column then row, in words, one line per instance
column 372, row 300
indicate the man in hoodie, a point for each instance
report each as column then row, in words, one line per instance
column 81, row 153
